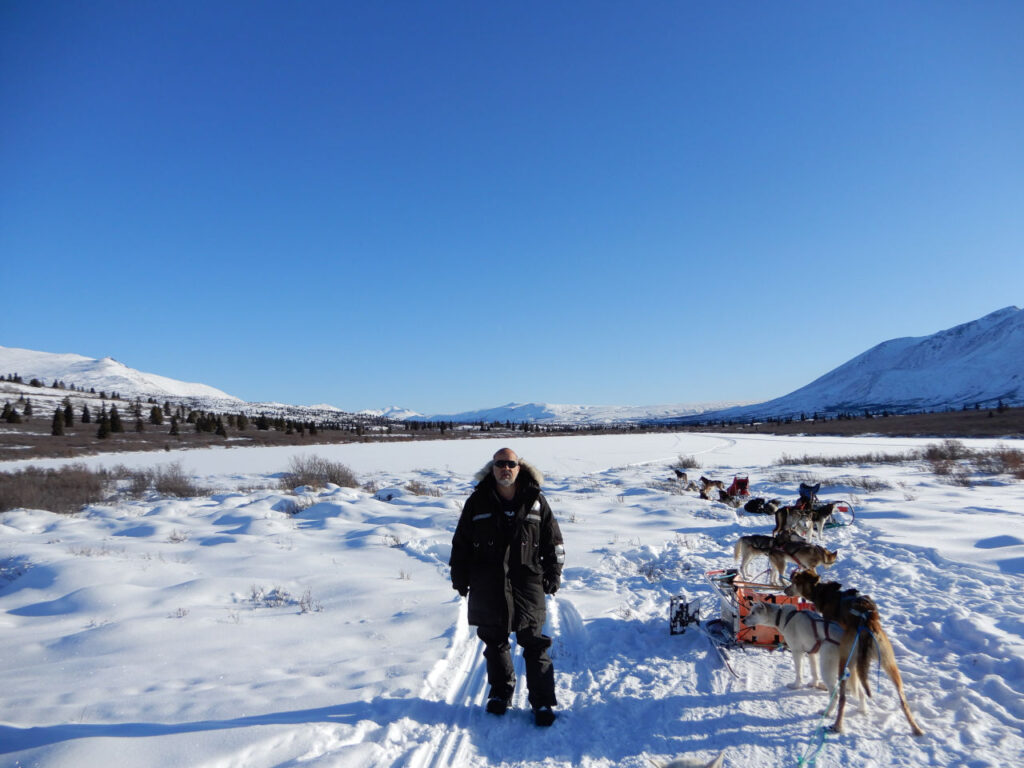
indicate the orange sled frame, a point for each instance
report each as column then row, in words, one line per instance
column 737, row 596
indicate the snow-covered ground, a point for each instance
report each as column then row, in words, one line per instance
column 223, row 631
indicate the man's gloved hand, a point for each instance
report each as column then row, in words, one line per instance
column 462, row 589
column 551, row 584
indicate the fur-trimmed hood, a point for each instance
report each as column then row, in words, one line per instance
column 527, row 473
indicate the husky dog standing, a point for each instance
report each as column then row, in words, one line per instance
column 748, row 547
column 808, row 635
column 793, row 519
column 858, row 615
column 706, row 485
column 807, row 557
column 819, row 516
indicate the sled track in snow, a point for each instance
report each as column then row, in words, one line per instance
column 460, row 681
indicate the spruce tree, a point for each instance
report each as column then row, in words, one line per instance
column 139, row 426
column 86, row 416
column 58, row 423
column 174, row 426
column 156, row 415
column 115, row 420
column 104, row 429
column 69, row 414
column 28, row 407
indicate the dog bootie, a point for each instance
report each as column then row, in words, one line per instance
column 497, row 706
column 543, row 716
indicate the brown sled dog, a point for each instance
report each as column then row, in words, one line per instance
column 858, row 615
column 806, row 556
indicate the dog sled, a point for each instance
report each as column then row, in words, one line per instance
column 739, row 486
column 841, row 515
column 737, row 596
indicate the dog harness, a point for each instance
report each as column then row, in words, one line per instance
column 814, row 627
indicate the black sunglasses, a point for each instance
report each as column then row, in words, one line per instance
column 506, row 464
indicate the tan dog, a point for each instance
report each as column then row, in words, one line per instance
column 706, row 485
column 747, row 548
column 858, row 615
column 805, row 555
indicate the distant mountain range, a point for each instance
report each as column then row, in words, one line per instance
column 550, row 413
column 978, row 363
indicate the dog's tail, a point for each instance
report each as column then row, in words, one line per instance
column 862, row 658
column 737, row 547
column 887, row 660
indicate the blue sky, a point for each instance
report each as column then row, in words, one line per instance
column 448, row 206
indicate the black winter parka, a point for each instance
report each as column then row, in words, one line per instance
column 505, row 567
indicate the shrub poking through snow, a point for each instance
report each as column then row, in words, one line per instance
column 317, row 471
column 422, row 489
column 171, row 480
column 63, row 490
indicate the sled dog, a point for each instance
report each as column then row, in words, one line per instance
column 819, row 516
column 858, row 615
column 792, row 519
column 808, row 635
column 706, row 485
column 726, row 498
column 690, row 762
column 807, row 556
column 748, row 547
column 759, row 506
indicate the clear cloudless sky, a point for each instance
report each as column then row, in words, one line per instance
column 452, row 205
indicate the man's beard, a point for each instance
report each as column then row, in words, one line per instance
column 506, row 482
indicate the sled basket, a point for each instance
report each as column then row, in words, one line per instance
column 739, row 486
column 736, row 598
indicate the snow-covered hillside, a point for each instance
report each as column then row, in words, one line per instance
column 550, row 413
column 980, row 362
column 260, row 628
column 105, row 375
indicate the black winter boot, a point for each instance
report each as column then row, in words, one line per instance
column 543, row 716
column 496, row 705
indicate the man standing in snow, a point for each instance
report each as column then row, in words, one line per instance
column 507, row 555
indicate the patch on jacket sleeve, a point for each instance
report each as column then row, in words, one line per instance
column 533, row 518
column 482, row 516
column 559, row 554
column 536, row 506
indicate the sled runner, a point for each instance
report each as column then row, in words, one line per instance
column 684, row 613
column 842, row 515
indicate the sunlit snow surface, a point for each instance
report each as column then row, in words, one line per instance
column 224, row 631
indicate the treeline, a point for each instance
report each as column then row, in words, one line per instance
column 15, row 378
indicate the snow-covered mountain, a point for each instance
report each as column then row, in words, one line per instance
column 106, row 375
column 550, row 413
column 977, row 363
column 392, row 412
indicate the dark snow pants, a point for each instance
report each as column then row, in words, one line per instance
column 540, row 672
